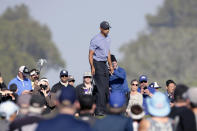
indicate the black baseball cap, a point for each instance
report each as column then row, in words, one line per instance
column 64, row 73
column 105, row 25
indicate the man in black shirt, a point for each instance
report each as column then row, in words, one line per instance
column 87, row 108
column 183, row 116
column 63, row 81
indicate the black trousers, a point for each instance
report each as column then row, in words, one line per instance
column 101, row 79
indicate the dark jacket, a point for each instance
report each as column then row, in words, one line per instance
column 3, row 86
column 57, row 87
column 63, row 122
column 49, row 100
column 113, row 123
column 184, row 119
column 29, row 122
column 80, row 90
column 88, row 118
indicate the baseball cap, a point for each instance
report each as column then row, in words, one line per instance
column 191, row 95
column 71, row 78
column 113, row 58
column 105, row 25
column 24, row 69
column 117, row 100
column 158, row 105
column 44, row 79
column 143, row 78
column 64, row 73
column 155, row 85
column 34, row 72
column 67, row 93
column 7, row 109
column 87, row 74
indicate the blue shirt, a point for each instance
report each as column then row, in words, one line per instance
column 118, row 81
column 152, row 90
column 63, row 122
column 101, row 47
column 21, row 84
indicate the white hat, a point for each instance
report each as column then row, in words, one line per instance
column 7, row 109
column 87, row 74
column 21, row 69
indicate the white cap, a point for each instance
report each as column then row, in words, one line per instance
column 87, row 74
column 21, row 69
column 7, row 109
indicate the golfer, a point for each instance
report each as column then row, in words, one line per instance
column 99, row 57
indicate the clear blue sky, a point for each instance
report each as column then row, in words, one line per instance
column 74, row 22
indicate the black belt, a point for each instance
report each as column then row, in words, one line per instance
column 101, row 61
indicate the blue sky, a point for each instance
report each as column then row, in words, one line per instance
column 74, row 22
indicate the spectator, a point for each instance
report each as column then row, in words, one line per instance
column 65, row 120
column 62, row 83
column 30, row 121
column 8, row 95
column 5, row 95
column 135, row 97
column 118, row 80
column 170, row 87
column 159, row 108
column 8, row 112
column 23, row 83
column 155, row 86
column 183, row 116
column 71, row 80
column 34, row 77
column 115, row 121
column 87, row 87
column 137, row 114
column 192, row 96
column 2, row 84
column 23, row 102
column 43, row 90
column 14, row 95
column 87, row 108
column 145, row 90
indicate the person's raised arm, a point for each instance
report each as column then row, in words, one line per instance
column 110, row 63
column 91, row 53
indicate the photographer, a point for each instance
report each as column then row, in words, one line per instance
column 145, row 90
column 43, row 89
column 34, row 77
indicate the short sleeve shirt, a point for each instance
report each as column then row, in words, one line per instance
column 101, row 47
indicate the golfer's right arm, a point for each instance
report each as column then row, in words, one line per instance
column 91, row 53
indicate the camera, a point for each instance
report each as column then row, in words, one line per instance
column 145, row 88
column 43, row 87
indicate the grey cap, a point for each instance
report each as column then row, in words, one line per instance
column 191, row 94
column 105, row 25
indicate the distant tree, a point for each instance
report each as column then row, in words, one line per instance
column 169, row 49
column 23, row 41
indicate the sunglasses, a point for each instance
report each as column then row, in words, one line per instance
column 134, row 84
column 143, row 82
column 64, row 76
